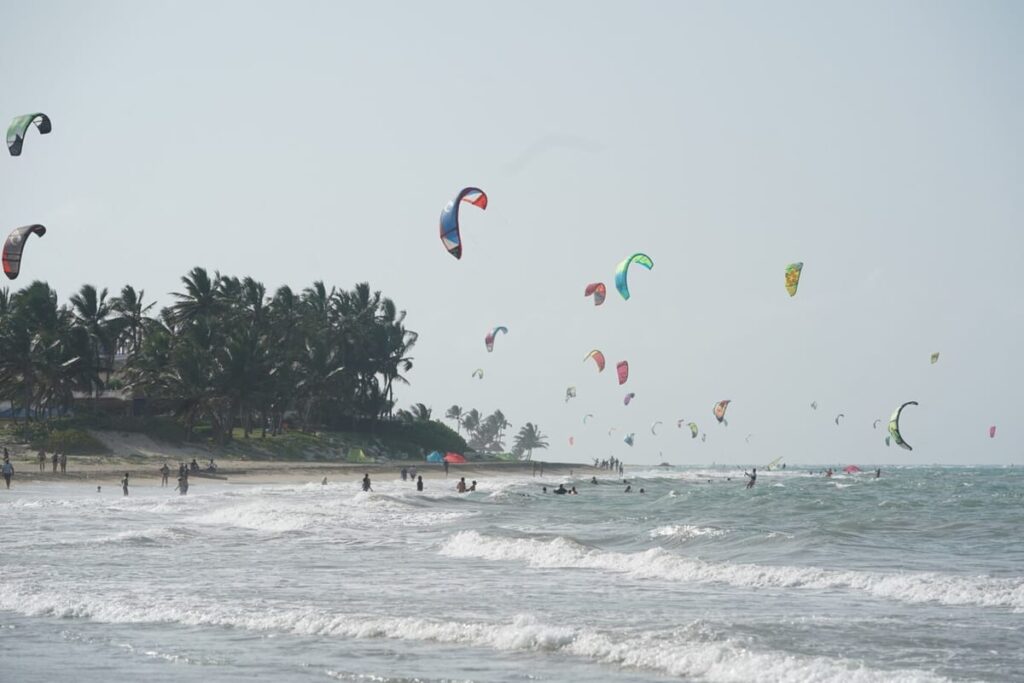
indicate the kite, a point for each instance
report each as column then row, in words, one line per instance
column 598, row 290
column 586, row 416
column 874, row 425
column 748, row 438
column 814, row 405
column 719, row 411
column 935, row 358
column 14, row 246
column 894, row 426
column 793, row 277
column 622, row 269
column 703, row 438
column 611, row 429
column 19, row 127
column 450, row 236
column 654, row 427
column 693, row 430
column 570, row 393
column 679, row 422
column 992, row 432
column 478, row 373
column 629, row 397
column 773, row 463
column 622, row 369
column 837, row 418
column 851, row 469
column 572, row 441
column 887, row 441
column 489, row 339
column 598, row 358
column 629, row 438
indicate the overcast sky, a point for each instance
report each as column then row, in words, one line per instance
column 878, row 142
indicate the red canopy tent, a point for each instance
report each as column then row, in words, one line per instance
column 454, row 458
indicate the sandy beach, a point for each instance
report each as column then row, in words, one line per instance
column 108, row 470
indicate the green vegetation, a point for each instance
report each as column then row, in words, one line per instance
column 226, row 366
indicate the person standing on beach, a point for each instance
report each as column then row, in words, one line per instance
column 366, row 482
column 7, row 469
column 42, row 460
column 63, row 462
column 405, row 474
column 55, row 460
column 445, row 469
column 412, row 473
column 165, row 473
column 124, row 483
column 419, row 483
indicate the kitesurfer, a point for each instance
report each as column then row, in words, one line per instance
column 165, row 472
column 753, row 478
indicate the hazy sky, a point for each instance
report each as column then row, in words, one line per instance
column 878, row 142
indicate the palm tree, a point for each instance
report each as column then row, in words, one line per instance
column 455, row 413
column 528, row 438
column 420, row 412
column 471, row 421
column 90, row 313
column 131, row 319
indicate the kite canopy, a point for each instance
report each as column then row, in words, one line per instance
column 887, row 442
column 611, row 429
column 654, row 427
column 478, row 373
column 598, row 358
column 874, row 425
column 489, row 339
column 992, row 432
column 703, row 438
column 629, row 397
column 851, row 469
column 622, row 270
column 19, row 127
column 435, row 457
column 598, row 290
column 693, row 430
column 814, row 405
column 588, row 415
column 894, row 426
column 935, row 358
column 454, row 458
column 629, row 438
column 839, row 416
column 570, row 392
column 793, row 277
column 450, row 235
column 622, row 370
column 571, row 441
column 15, row 245
column 719, row 410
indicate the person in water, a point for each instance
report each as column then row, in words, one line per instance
column 629, row 489
column 561, row 490
column 878, row 473
column 419, row 483
column 472, row 487
column 642, row 491
column 573, row 491
column 544, row 489
column 7, row 469
column 165, row 473
column 593, row 480
column 182, row 486
column 753, row 478
column 124, row 483
column 405, row 474
column 461, row 486
column 366, row 482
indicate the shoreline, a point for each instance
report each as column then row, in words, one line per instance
column 86, row 470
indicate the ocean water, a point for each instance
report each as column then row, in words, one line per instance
column 916, row 576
